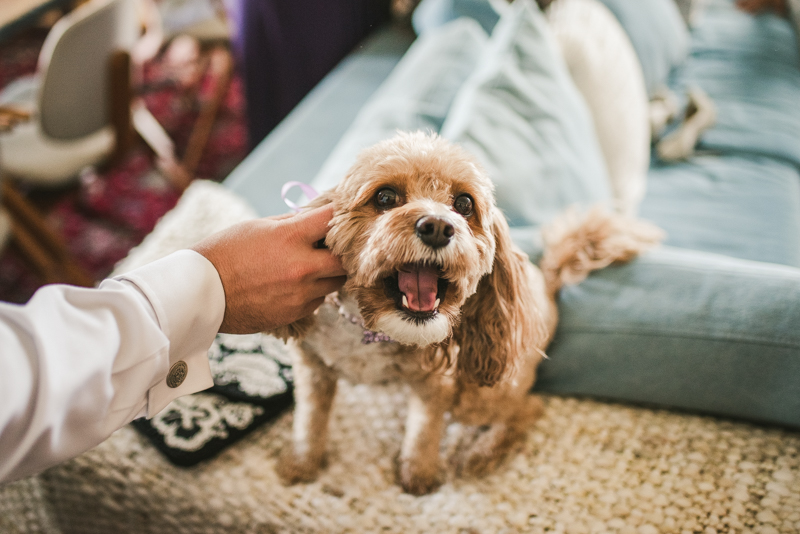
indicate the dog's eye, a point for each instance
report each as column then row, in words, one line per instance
column 463, row 205
column 386, row 198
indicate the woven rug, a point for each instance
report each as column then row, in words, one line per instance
column 586, row 467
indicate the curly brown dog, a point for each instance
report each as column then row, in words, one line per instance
column 440, row 298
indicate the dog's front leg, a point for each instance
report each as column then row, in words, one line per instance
column 315, row 387
column 420, row 465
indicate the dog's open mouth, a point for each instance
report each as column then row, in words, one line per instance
column 417, row 289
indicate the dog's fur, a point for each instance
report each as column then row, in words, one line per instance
column 475, row 356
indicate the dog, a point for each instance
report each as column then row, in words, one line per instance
column 437, row 296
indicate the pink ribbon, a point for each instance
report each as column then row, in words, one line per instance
column 307, row 190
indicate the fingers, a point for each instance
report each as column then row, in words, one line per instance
column 326, row 265
column 281, row 216
column 313, row 305
column 323, row 288
column 326, row 286
column 313, row 224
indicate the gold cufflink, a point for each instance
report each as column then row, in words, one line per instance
column 177, row 374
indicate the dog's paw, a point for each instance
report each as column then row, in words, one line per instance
column 419, row 479
column 292, row 469
column 481, row 452
column 477, row 463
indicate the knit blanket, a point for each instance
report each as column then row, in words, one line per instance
column 587, row 466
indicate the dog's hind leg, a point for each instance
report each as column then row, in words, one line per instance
column 489, row 445
column 315, row 387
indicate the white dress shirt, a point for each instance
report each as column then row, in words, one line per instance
column 77, row 363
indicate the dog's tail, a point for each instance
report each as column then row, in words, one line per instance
column 576, row 245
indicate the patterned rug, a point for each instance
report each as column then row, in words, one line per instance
column 111, row 209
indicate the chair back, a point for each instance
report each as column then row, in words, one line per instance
column 74, row 65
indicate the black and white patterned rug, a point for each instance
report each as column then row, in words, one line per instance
column 252, row 385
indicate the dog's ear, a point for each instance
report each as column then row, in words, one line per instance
column 299, row 328
column 500, row 319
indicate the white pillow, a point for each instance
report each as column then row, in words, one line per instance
column 606, row 71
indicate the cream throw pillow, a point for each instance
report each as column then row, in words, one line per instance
column 606, row 71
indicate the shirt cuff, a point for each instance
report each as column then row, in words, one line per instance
column 186, row 294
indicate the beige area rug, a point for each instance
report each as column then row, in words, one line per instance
column 587, row 466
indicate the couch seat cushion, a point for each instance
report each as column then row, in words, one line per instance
column 749, row 67
column 744, row 206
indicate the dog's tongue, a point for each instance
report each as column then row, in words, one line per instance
column 419, row 284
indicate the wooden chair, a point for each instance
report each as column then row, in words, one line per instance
column 82, row 101
column 70, row 99
column 23, row 225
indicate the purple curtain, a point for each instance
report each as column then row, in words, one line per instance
column 285, row 47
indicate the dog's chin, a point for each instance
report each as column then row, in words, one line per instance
column 396, row 324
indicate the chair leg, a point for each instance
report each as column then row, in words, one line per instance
column 34, row 253
column 120, row 98
column 42, row 246
column 159, row 141
column 181, row 173
column 221, row 67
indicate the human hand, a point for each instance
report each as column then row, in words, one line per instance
column 271, row 271
column 757, row 6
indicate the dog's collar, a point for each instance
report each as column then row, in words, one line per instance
column 370, row 336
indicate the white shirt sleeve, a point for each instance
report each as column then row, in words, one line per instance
column 76, row 363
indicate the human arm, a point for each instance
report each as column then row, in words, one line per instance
column 76, row 364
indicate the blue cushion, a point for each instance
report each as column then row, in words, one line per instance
column 685, row 329
column 417, row 95
column 749, row 67
column 658, row 34
column 656, row 28
column 743, row 206
column 430, row 14
column 522, row 117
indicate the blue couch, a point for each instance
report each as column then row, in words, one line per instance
column 710, row 321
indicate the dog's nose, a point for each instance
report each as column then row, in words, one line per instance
column 434, row 231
